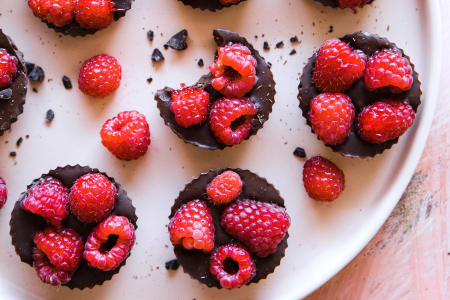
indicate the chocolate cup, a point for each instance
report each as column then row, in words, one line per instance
column 354, row 146
column 196, row 263
column 334, row 3
column 74, row 29
column 24, row 225
column 10, row 109
column 262, row 95
column 211, row 5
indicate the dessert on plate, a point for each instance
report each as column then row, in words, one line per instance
column 211, row 5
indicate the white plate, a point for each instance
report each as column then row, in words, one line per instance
column 323, row 238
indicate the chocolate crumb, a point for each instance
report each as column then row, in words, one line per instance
column 200, row 62
column 178, row 41
column 150, row 35
column 293, row 51
column 13, row 154
column 157, row 55
column 331, row 29
column 294, row 39
column 50, row 115
column 35, row 90
column 266, row 45
column 279, row 45
column 27, row 136
column 19, row 141
column 300, row 152
column 172, row 264
column 5, row 94
column 149, row 80
column 66, row 82
column 35, row 72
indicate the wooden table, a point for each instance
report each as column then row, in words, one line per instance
column 409, row 258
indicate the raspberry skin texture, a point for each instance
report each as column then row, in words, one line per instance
column 234, row 71
column 92, row 198
column 192, row 227
column 118, row 226
column 92, row 15
column 225, row 188
column 3, row 192
column 260, row 226
column 322, row 179
column 57, row 254
column 388, row 68
column 384, row 120
column 352, row 3
column 56, row 12
column 190, row 106
column 222, row 115
column 331, row 116
column 245, row 273
column 8, row 68
column 49, row 199
column 127, row 135
column 337, row 67
column 100, row 76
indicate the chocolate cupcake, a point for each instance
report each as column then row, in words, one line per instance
column 81, row 17
column 345, row 3
column 100, row 226
column 13, row 84
column 372, row 89
column 211, row 5
column 223, row 201
column 195, row 113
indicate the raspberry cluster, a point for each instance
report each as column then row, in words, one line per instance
column 8, row 68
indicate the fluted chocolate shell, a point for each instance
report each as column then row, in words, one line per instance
column 211, row 5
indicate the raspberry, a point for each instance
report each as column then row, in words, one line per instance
column 8, row 68
column 388, row 68
column 92, row 198
column 224, row 188
column 190, row 106
column 384, row 120
column 100, row 76
column 231, row 119
column 57, row 254
column 322, row 179
column 49, row 199
column 261, row 226
column 232, row 266
column 352, row 3
column 3, row 192
column 110, row 243
column 56, row 12
column 96, row 14
column 337, row 67
column 234, row 71
column 331, row 117
column 192, row 226
column 127, row 135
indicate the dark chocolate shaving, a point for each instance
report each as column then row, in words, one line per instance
column 172, row 265
column 67, row 82
column 150, row 35
column 294, row 39
column 19, row 141
column 178, row 41
column 300, row 152
column 266, row 46
column 34, row 72
column 200, row 62
column 49, row 116
column 279, row 44
column 157, row 56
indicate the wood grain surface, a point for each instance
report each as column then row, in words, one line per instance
column 409, row 258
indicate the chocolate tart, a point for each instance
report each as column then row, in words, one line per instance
column 211, row 5
column 334, row 3
column 354, row 146
column 196, row 263
column 262, row 95
column 24, row 225
column 11, row 108
column 74, row 29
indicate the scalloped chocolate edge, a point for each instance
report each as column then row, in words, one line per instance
column 196, row 263
column 12, row 108
column 211, row 5
column 262, row 95
column 85, row 276
column 73, row 29
column 334, row 4
column 307, row 92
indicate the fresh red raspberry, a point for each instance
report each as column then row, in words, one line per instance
column 49, row 199
column 225, row 188
column 3, row 192
column 384, row 120
column 224, row 113
column 127, row 135
column 192, row 227
column 57, row 254
column 322, row 179
column 261, row 226
column 331, row 116
column 56, row 12
column 388, row 68
column 337, row 67
column 94, row 14
column 225, row 273
column 8, row 68
column 234, row 71
column 99, row 252
column 92, row 198
column 190, row 106
column 100, row 76
column 352, row 3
